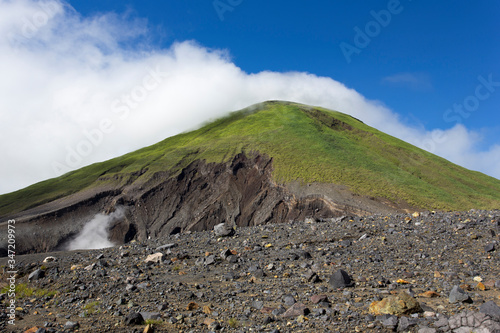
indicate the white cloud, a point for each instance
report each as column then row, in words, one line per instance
column 73, row 94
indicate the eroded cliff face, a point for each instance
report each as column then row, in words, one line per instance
column 240, row 192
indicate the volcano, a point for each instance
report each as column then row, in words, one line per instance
column 271, row 162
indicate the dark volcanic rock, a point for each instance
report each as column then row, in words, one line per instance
column 391, row 322
column 71, row 325
column 298, row 309
column 150, row 315
column 490, row 247
column 289, row 300
column 406, row 322
column 315, row 299
column 457, row 294
column 37, row 274
column 491, row 309
column 134, row 318
column 340, row 279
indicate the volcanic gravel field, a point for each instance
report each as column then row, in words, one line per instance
column 422, row 272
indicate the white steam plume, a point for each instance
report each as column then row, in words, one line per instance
column 94, row 234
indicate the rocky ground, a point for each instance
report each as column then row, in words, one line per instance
column 427, row 272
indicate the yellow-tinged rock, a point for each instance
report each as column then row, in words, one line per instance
column 208, row 321
column 481, row 286
column 437, row 274
column 19, row 308
column 416, row 214
column 429, row 294
column 268, row 245
column 478, row 279
column 148, row 329
column 302, row 318
column 32, row 330
column 399, row 304
column 466, row 287
column 401, row 281
column 206, row 309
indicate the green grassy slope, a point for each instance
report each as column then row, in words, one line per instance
column 308, row 144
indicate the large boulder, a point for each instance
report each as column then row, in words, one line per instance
column 400, row 304
column 223, row 230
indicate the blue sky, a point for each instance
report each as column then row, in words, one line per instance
column 442, row 46
column 426, row 72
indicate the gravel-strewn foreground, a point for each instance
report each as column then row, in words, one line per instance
column 276, row 278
